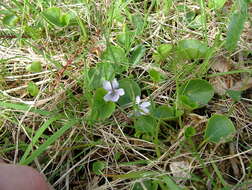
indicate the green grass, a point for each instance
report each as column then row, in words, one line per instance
column 183, row 57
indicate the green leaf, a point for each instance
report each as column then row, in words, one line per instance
column 116, row 56
column 126, row 38
column 219, row 129
column 166, row 113
column 145, row 125
column 234, row 31
column 101, row 109
column 55, row 16
column 98, row 166
column 191, row 49
column 190, row 131
column 234, row 94
column 137, row 54
column 155, row 75
column 197, row 22
column 216, row 4
column 33, row 89
column 131, row 89
column 163, row 51
column 10, row 20
column 35, row 67
column 138, row 23
column 148, row 184
column 170, row 183
column 236, row 24
column 196, row 93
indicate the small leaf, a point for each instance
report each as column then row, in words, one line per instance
column 10, row 20
column 164, row 112
column 32, row 89
column 35, row 67
column 190, row 131
column 137, row 53
column 219, row 129
column 131, row 89
column 145, row 125
column 54, row 16
column 191, row 49
column 98, row 166
column 155, row 75
column 101, row 109
column 235, row 95
column 163, row 51
column 196, row 93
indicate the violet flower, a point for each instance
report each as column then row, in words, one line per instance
column 114, row 92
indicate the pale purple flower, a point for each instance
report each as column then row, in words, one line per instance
column 143, row 108
column 114, row 92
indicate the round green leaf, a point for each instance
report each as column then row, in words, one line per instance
column 131, row 90
column 35, row 67
column 196, row 93
column 98, row 166
column 191, row 49
column 33, row 89
column 101, row 109
column 219, row 129
column 166, row 113
column 10, row 20
column 145, row 125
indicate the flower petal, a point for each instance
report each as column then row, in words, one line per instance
column 120, row 91
column 144, row 111
column 115, row 84
column 145, row 104
column 138, row 100
column 107, row 85
column 111, row 96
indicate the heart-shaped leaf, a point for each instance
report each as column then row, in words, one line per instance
column 219, row 129
column 191, row 49
column 196, row 93
column 131, row 89
column 145, row 125
column 101, row 109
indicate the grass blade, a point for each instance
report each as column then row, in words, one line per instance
column 37, row 136
column 49, row 141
